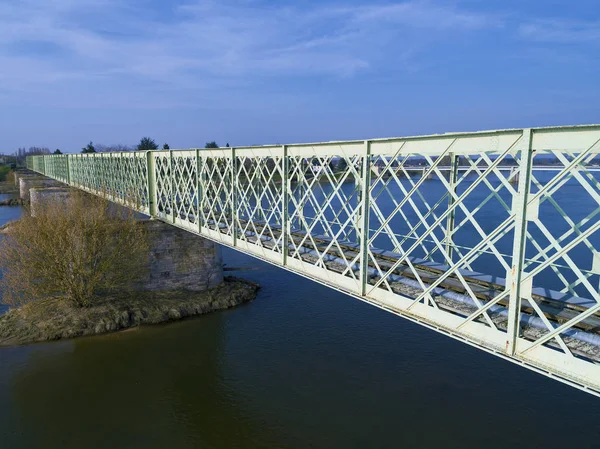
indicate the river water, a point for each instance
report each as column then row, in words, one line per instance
column 303, row 366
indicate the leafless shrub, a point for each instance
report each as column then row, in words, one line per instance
column 114, row 148
column 77, row 250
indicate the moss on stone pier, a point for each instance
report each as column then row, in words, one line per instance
column 11, row 202
column 56, row 318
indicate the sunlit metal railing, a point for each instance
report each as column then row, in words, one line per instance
column 488, row 237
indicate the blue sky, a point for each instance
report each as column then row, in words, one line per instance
column 256, row 71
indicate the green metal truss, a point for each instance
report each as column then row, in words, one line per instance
column 364, row 218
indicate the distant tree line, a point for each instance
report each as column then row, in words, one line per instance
column 23, row 152
column 145, row 144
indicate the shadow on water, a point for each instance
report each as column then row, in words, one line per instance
column 302, row 366
column 154, row 387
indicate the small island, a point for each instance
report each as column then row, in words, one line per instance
column 82, row 267
column 56, row 318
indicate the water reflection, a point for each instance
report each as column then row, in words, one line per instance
column 302, row 366
column 155, row 387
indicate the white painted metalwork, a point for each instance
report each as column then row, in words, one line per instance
column 471, row 234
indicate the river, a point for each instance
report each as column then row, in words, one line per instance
column 303, row 366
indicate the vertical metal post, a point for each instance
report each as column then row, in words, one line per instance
column 364, row 218
column 103, row 177
column 92, row 158
column 151, row 183
column 256, row 186
column 450, row 219
column 76, row 170
column 110, row 180
column 520, row 238
column 199, row 191
column 110, row 176
column 120, row 189
column 68, row 158
column 94, row 183
column 172, row 178
column 285, row 187
column 359, row 198
column 234, row 218
column 302, row 189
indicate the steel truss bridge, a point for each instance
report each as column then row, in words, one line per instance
column 510, row 266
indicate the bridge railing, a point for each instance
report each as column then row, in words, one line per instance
column 498, row 253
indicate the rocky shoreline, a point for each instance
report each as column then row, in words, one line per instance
column 56, row 318
column 11, row 202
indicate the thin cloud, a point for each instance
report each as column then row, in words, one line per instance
column 204, row 39
column 423, row 15
column 120, row 50
column 561, row 31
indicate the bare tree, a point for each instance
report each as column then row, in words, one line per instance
column 114, row 148
column 23, row 152
column 78, row 252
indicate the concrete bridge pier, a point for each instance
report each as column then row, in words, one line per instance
column 18, row 174
column 24, row 173
column 26, row 183
column 180, row 260
column 177, row 259
column 42, row 196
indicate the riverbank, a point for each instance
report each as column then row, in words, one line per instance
column 9, row 188
column 56, row 318
column 11, row 202
column 6, row 227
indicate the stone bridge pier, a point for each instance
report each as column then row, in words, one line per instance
column 21, row 173
column 27, row 182
column 177, row 259
column 40, row 196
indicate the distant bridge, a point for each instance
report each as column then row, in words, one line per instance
column 511, row 266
